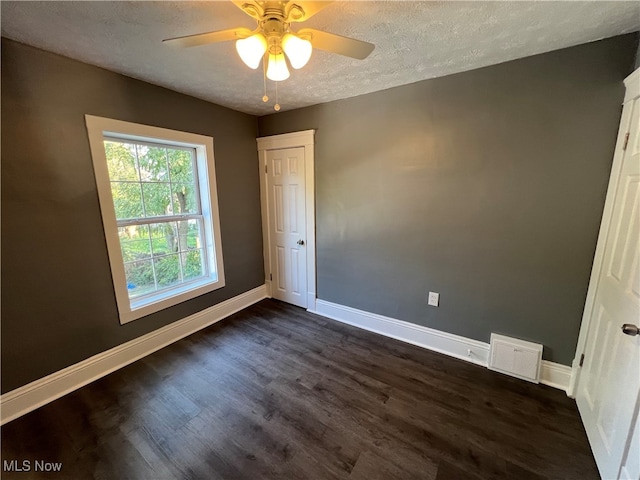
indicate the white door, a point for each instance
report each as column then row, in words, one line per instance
column 631, row 464
column 287, row 225
column 609, row 385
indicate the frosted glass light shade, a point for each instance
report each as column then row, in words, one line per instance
column 297, row 49
column 251, row 49
column 277, row 69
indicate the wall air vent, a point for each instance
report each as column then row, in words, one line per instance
column 515, row 357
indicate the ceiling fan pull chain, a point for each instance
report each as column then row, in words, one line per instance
column 265, row 98
column 276, row 107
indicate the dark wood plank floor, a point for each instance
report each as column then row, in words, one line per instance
column 276, row 392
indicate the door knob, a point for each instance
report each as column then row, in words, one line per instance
column 629, row 329
column 300, row 242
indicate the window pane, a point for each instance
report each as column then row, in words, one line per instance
column 134, row 242
column 172, row 251
column 126, row 200
column 139, row 278
column 183, row 231
column 153, row 164
column 184, row 198
column 167, row 270
column 164, row 238
column 181, row 165
column 157, row 199
column 121, row 160
column 193, row 264
column 194, row 235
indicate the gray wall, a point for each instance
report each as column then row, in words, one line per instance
column 58, row 305
column 486, row 186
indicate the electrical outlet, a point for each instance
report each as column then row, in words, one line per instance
column 434, row 299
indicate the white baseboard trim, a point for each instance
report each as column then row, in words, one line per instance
column 551, row 374
column 442, row 342
column 22, row 400
column 556, row 375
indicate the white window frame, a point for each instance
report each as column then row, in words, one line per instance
column 98, row 128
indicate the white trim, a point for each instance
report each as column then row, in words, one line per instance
column 632, row 83
column 429, row 338
column 306, row 140
column 310, row 193
column 556, row 375
column 551, row 374
column 22, row 400
column 131, row 309
column 574, row 377
column 286, row 140
column 264, row 215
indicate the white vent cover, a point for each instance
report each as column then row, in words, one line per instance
column 515, row 357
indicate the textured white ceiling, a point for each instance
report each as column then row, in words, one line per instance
column 414, row 41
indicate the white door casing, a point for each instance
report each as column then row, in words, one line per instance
column 608, row 385
column 287, row 190
column 287, row 232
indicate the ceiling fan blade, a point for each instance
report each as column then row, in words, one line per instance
column 209, row 37
column 299, row 11
column 251, row 8
column 330, row 42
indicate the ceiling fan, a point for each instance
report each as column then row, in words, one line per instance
column 273, row 37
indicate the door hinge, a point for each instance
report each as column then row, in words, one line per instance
column 626, row 141
column 270, row 276
column 266, row 169
column 581, row 360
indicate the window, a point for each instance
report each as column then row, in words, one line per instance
column 159, row 207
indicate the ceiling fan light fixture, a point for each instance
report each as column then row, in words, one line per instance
column 277, row 68
column 298, row 50
column 252, row 49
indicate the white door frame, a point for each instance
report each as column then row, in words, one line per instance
column 632, row 85
column 303, row 139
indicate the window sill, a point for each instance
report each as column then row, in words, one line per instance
column 138, row 308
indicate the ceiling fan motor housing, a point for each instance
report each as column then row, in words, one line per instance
column 273, row 30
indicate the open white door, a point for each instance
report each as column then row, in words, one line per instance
column 608, row 391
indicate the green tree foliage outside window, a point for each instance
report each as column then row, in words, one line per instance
column 155, row 197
